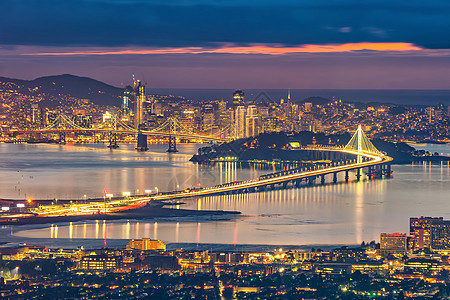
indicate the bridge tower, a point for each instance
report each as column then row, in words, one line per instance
column 62, row 137
column 361, row 143
column 113, row 136
column 113, row 140
column 172, row 139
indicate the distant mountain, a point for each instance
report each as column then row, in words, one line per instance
column 69, row 85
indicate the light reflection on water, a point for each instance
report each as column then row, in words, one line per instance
column 329, row 214
column 72, row 171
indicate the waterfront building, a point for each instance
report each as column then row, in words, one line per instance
column 393, row 243
column 430, row 233
column 146, row 244
column 440, row 236
column 420, row 232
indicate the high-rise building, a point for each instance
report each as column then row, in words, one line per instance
column 269, row 124
column 36, row 115
column 420, row 232
column 431, row 233
column 138, row 105
column 23, row 112
column 207, row 121
column 252, row 121
column 440, row 235
column 126, row 100
column 393, row 243
column 238, row 98
column 222, row 106
column 239, row 122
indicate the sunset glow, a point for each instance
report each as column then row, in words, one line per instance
column 251, row 49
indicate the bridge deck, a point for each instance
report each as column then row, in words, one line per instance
column 375, row 159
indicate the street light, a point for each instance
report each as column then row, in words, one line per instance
column 148, row 192
column 157, row 190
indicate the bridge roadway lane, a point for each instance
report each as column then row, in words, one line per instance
column 126, row 204
column 124, row 131
column 376, row 159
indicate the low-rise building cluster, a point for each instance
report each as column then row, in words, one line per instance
column 415, row 266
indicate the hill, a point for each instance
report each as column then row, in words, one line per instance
column 315, row 100
column 68, row 85
column 270, row 146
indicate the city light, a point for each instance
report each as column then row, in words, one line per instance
column 269, row 193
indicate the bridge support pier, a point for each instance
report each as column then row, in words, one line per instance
column 141, row 142
column 379, row 172
column 358, row 174
column 311, row 180
column 322, row 179
column 335, row 177
column 388, row 171
column 346, row 176
column 370, row 172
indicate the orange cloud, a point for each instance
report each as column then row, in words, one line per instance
column 251, row 49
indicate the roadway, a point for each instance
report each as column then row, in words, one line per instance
column 115, row 205
column 375, row 159
column 125, row 131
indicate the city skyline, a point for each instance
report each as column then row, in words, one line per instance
column 231, row 44
column 224, row 149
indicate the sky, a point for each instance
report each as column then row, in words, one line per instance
column 299, row 44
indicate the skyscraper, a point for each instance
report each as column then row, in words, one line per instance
column 126, row 101
column 252, row 121
column 431, row 233
column 239, row 122
column 138, row 105
column 238, row 98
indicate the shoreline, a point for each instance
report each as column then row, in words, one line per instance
column 154, row 209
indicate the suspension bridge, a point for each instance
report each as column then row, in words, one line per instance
column 358, row 158
column 171, row 128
